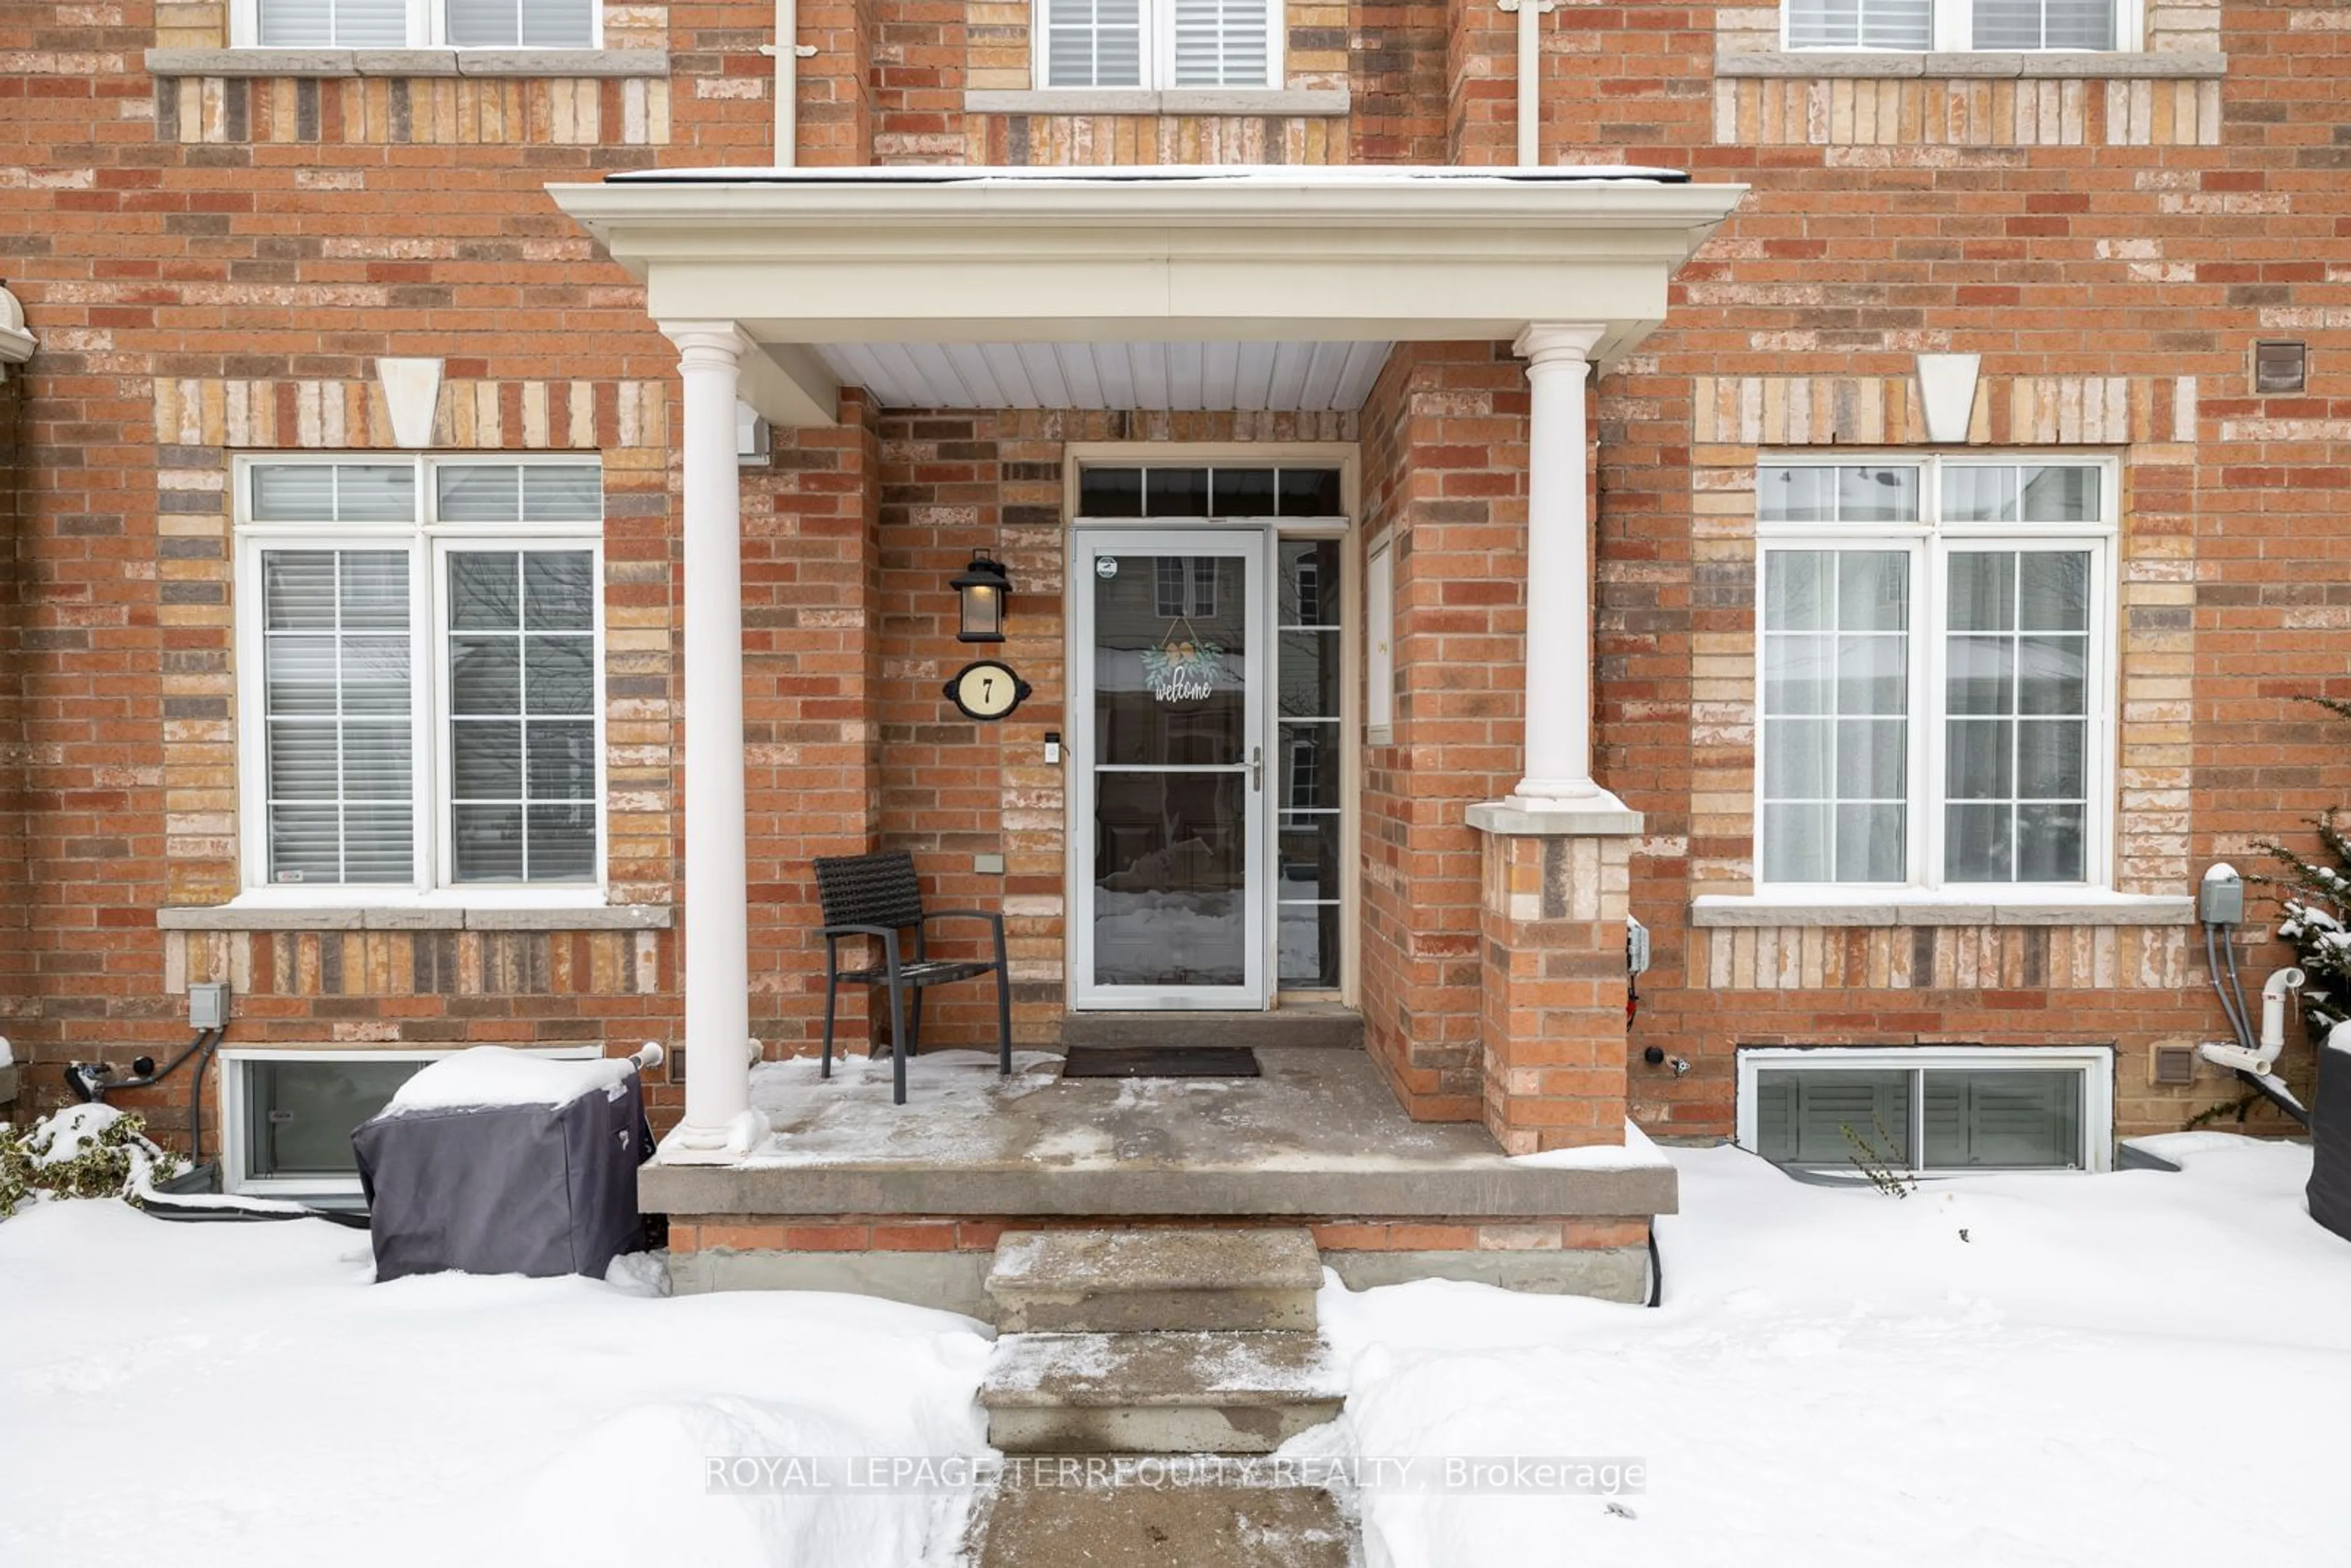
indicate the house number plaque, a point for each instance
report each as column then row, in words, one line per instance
column 985, row 689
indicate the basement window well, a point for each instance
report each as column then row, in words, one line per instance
column 288, row 1117
column 1928, row 1111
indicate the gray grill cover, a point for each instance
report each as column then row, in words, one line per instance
column 505, row 1189
column 2330, row 1136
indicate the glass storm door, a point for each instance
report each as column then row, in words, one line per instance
column 1168, row 732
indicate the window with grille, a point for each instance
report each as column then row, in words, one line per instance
column 1201, row 43
column 1923, row 24
column 420, row 645
column 1934, row 672
column 397, row 23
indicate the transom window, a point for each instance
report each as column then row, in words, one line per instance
column 1159, row 43
column 1923, row 24
column 1934, row 639
column 419, row 649
column 1929, row 1108
column 418, row 24
column 1110, row 494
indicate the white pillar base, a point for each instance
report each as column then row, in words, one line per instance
column 1563, row 795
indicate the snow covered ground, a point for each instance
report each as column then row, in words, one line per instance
column 1997, row 1371
column 241, row 1394
column 2008, row 1371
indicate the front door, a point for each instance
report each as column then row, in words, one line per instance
column 1167, row 735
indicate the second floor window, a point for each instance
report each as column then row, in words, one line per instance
column 1159, row 43
column 419, row 24
column 1922, row 24
column 418, row 646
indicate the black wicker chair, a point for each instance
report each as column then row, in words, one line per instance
column 877, row 896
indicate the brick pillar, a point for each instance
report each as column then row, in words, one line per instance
column 1555, row 1034
column 836, row 84
column 811, row 583
column 1481, row 44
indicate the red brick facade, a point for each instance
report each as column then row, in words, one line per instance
column 213, row 262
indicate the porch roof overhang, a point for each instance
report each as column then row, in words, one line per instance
column 1003, row 267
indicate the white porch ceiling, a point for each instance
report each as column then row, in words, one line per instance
column 1279, row 377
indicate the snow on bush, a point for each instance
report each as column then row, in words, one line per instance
column 82, row 1151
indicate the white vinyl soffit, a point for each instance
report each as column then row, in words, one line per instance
column 1282, row 378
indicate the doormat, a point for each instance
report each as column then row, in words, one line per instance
column 1160, row 1061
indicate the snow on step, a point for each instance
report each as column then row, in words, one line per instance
column 1108, row 1282
column 1231, row 1527
column 1220, row 1392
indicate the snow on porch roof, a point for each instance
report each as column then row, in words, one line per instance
column 1119, row 174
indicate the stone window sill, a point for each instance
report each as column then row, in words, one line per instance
column 1283, row 103
column 547, row 913
column 408, row 62
column 2084, row 908
column 1877, row 65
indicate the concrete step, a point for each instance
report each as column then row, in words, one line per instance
column 1063, row 1526
column 1155, row 1392
column 1310, row 1024
column 1115, row 1282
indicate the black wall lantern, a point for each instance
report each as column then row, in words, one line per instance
column 980, row 592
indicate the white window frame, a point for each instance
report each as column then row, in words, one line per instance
column 428, row 543
column 1158, row 64
column 1928, row 541
column 428, row 29
column 1954, row 33
column 235, row 1102
column 1346, row 458
column 2095, row 1062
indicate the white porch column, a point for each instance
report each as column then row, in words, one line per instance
column 1558, row 578
column 717, row 962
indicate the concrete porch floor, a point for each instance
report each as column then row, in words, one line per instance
column 1318, row 1136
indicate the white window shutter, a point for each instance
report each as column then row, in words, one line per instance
column 1861, row 24
column 1094, row 43
column 371, row 24
column 1220, row 42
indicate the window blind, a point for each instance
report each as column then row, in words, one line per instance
column 2044, row 24
column 522, row 24
column 336, row 702
column 333, row 24
column 1861, row 24
column 1094, row 43
column 1805, row 1116
column 1220, row 42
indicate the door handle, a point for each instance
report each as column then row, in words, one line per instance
column 1257, row 768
